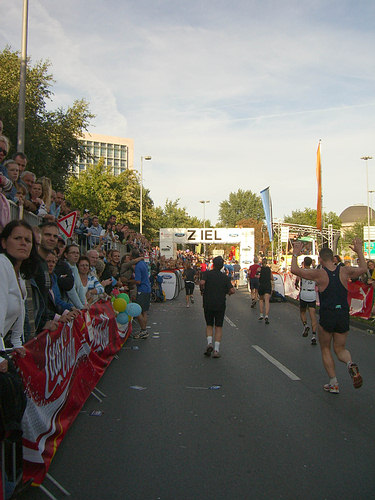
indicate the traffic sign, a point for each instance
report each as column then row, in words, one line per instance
column 68, row 223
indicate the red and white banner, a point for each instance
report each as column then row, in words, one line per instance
column 60, row 370
column 360, row 298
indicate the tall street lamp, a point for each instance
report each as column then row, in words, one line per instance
column 141, row 194
column 371, row 193
column 366, row 158
column 204, row 220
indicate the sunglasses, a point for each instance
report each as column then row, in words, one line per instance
column 2, row 150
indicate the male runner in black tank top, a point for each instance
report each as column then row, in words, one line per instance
column 334, row 309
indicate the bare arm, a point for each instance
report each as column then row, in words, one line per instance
column 309, row 274
column 355, row 272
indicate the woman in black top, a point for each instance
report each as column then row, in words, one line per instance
column 189, row 276
column 265, row 290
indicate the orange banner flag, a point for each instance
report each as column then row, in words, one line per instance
column 319, row 180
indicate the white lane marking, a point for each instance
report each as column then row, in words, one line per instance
column 229, row 321
column 274, row 361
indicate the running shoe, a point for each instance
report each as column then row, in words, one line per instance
column 143, row 334
column 260, row 318
column 192, row 299
column 305, row 331
column 313, row 341
column 356, row 376
column 209, row 350
column 253, row 304
column 216, row 354
column 334, row 389
column 266, row 320
column 187, row 305
column 135, row 335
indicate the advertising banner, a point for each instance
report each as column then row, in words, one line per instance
column 360, row 298
column 59, row 372
column 169, row 284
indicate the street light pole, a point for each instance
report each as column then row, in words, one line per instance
column 141, row 195
column 204, row 220
column 22, row 94
column 366, row 158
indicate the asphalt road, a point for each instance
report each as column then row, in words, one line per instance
column 268, row 432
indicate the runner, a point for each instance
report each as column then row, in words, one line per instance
column 332, row 283
column 265, row 290
column 253, row 276
column 307, row 300
column 189, row 276
column 214, row 286
column 236, row 274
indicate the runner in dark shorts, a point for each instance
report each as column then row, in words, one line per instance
column 214, row 286
column 189, row 277
column 253, row 275
column 265, row 290
column 332, row 282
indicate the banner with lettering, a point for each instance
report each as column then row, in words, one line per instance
column 60, row 370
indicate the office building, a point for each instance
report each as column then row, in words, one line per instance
column 117, row 152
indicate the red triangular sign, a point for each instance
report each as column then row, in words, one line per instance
column 68, row 223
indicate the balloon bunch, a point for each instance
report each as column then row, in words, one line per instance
column 125, row 309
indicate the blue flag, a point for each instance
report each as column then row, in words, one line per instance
column 267, row 206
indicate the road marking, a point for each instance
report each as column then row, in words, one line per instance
column 274, row 361
column 229, row 321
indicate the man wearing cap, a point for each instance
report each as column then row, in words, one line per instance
column 215, row 286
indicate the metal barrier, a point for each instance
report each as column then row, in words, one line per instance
column 17, row 212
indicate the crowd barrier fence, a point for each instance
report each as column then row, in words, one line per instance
column 60, row 371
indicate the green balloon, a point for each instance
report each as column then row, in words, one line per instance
column 124, row 296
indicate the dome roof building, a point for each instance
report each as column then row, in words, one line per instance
column 356, row 213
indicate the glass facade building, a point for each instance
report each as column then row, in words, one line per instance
column 117, row 152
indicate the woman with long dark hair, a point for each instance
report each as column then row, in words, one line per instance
column 18, row 260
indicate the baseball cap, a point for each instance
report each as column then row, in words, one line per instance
column 86, row 211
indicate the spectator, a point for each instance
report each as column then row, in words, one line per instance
column 107, row 236
column 143, row 293
column 12, row 173
column 55, row 300
column 4, row 148
column 55, row 207
column 112, row 270
column 17, row 261
column 76, row 295
column 89, row 282
column 42, row 282
column 93, row 257
column 127, row 274
column 21, row 160
column 27, row 179
column 36, row 195
column 83, row 238
column 94, row 232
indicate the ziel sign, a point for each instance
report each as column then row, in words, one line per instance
column 171, row 237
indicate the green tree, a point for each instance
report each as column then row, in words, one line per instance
column 172, row 215
column 240, row 205
column 106, row 194
column 351, row 233
column 307, row 217
column 51, row 137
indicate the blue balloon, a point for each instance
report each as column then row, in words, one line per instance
column 122, row 318
column 133, row 309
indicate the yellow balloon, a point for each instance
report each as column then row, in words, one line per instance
column 119, row 305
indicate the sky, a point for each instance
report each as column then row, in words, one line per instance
column 223, row 95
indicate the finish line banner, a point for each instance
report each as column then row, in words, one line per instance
column 59, row 372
